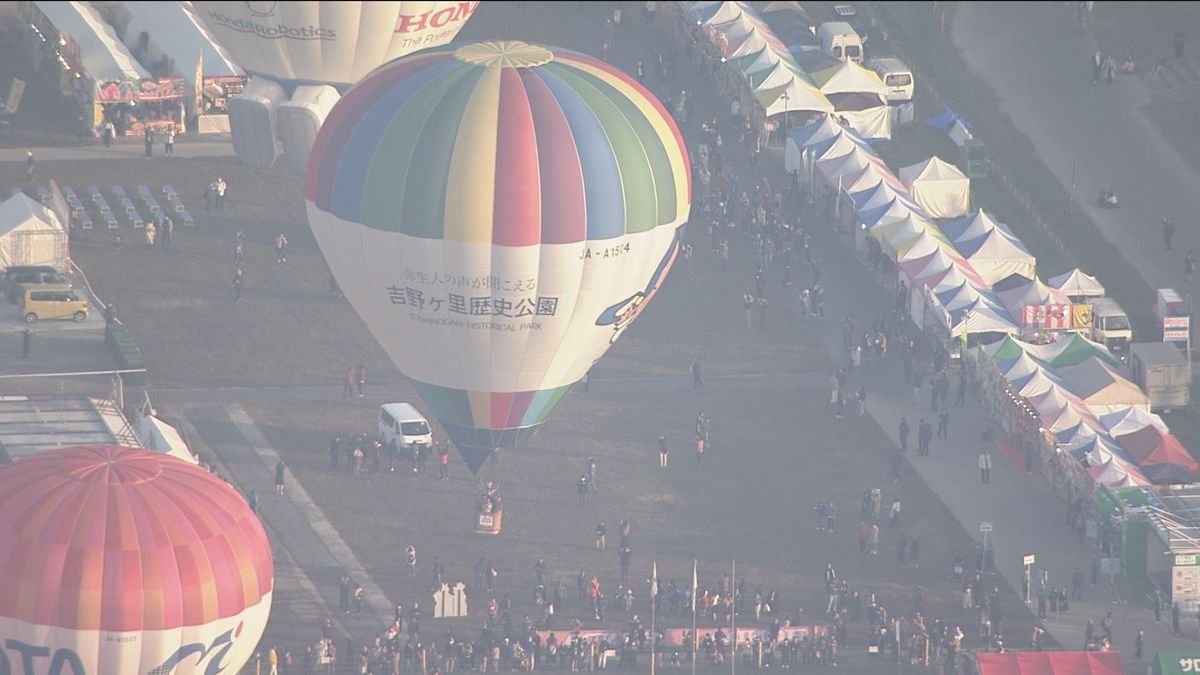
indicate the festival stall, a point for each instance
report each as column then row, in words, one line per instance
column 938, row 187
column 858, row 96
column 119, row 89
column 997, row 256
column 1102, row 388
column 1161, row 457
column 1077, row 285
column 31, row 234
column 169, row 34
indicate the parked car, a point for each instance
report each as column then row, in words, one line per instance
column 52, row 301
column 17, row 275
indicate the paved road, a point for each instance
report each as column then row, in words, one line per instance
column 125, row 149
column 1041, row 70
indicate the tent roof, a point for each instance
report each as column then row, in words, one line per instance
column 1050, row 663
column 892, row 211
column 1131, row 419
column 795, row 95
column 22, row 211
column 1117, row 472
column 1077, row 435
column 853, row 101
column 839, row 146
column 972, row 226
column 872, row 175
column 1076, row 282
column 774, row 76
column 1033, row 293
column 995, row 245
column 103, row 55
column 1071, row 350
column 815, row 132
column 840, row 167
column 848, row 77
column 984, row 317
column 1004, row 350
column 718, row 12
column 1148, row 446
column 178, row 32
column 791, row 8
column 932, row 169
column 1097, row 383
column 881, row 195
column 761, row 60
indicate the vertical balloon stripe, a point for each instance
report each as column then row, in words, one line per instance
column 470, row 199
column 637, row 181
column 564, row 216
column 429, row 187
column 481, row 407
column 602, row 185
column 520, row 405
column 327, row 150
column 395, row 155
column 655, row 112
column 518, row 196
column 666, row 153
column 500, row 405
column 541, row 405
column 362, row 147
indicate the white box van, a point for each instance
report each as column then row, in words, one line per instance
column 1110, row 326
column 896, row 76
column 404, row 423
column 841, row 41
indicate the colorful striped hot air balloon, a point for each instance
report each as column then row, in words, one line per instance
column 498, row 214
column 115, row 560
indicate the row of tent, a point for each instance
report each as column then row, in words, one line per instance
column 790, row 73
column 1095, row 415
column 952, row 267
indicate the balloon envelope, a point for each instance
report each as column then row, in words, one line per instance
column 115, row 560
column 333, row 43
column 498, row 214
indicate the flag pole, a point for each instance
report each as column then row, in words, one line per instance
column 733, row 617
column 653, row 606
column 694, row 590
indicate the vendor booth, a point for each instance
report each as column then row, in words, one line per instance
column 858, row 96
column 1077, row 284
column 119, row 89
column 1051, row 663
column 170, row 35
column 938, row 187
column 31, row 234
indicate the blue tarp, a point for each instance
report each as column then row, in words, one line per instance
column 944, row 121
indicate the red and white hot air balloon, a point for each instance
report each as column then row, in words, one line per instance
column 114, row 560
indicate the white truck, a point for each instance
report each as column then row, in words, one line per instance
column 1164, row 373
column 841, row 41
column 1110, row 326
column 896, row 76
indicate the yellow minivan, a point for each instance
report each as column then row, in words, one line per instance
column 52, row 301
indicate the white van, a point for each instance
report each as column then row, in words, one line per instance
column 404, row 423
column 896, row 76
column 1110, row 326
column 841, row 41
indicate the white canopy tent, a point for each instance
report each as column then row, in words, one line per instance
column 858, row 95
column 938, row 187
column 795, row 96
column 1129, row 420
column 31, row 234
column 1077, row 283
column 997, row 256
column 103, row 56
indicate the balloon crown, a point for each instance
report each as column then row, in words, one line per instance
column 504, row 54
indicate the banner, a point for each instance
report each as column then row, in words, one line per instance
column 1048, row 317
column 674, row 637
column 15, row 91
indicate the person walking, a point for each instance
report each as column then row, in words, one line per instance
column 279, row 474
column 26, row 342
column 601, row 532
column 348, row 388
column 30, row 168
column 169, row 143
column 361, row 376
column 443, row 463
column 664, row 454
column 1168, row 233
column 697, row 380
column 410, row 559
column 148, row 136
column 237, row 287
column 903, row 434
column 591, row 474
column 281, row 243
column 699, row 448
column 1189, row 266
column 985, row 467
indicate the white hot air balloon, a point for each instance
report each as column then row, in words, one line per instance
column 302, row 55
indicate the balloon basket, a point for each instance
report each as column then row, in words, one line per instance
column 489, row 523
